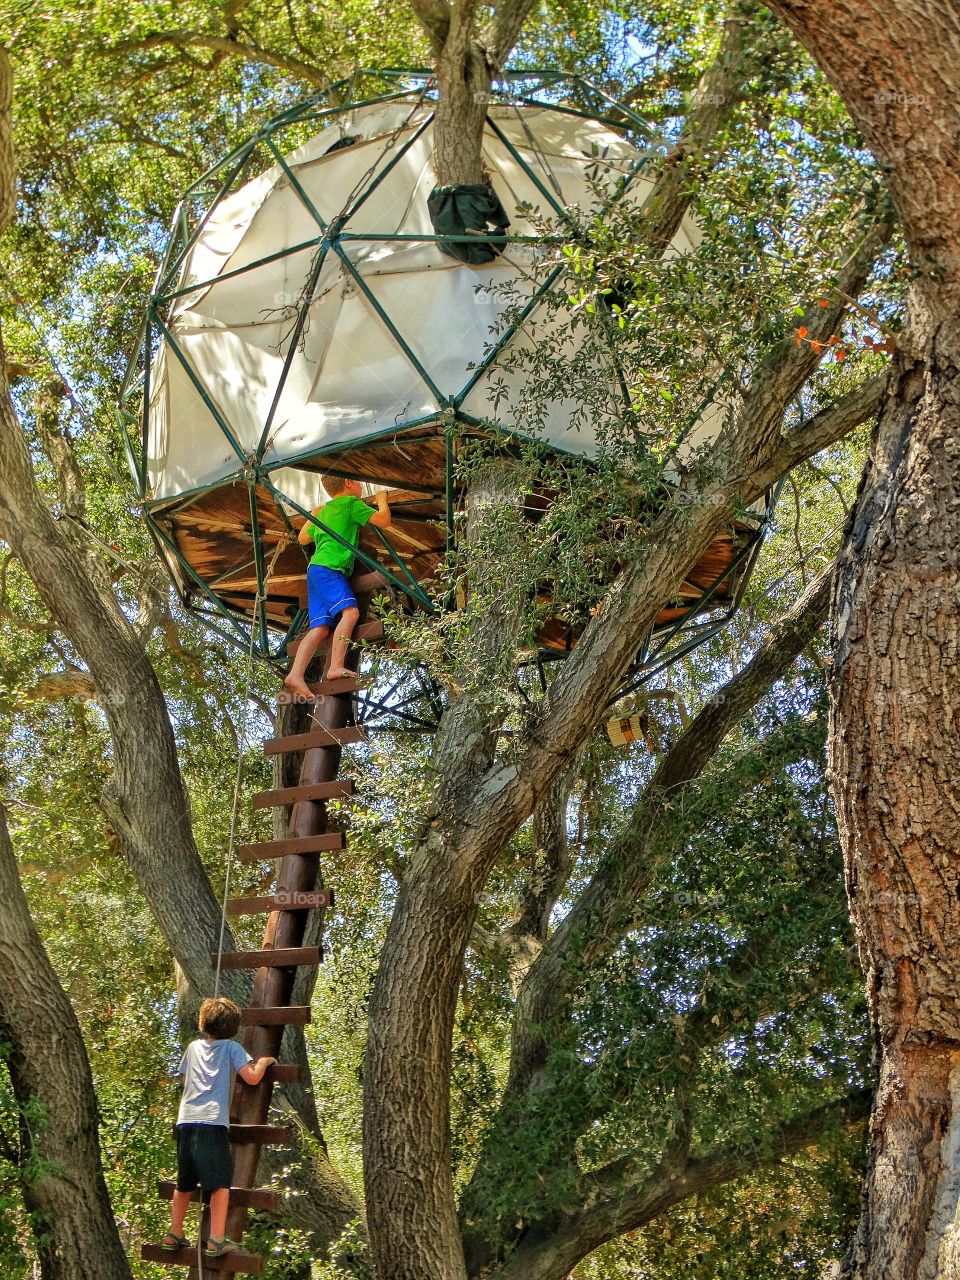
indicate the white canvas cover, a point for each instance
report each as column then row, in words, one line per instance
column 349, row 376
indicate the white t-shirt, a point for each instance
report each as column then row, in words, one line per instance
column 208, row 1068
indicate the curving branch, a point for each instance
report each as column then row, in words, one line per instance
column 8, row 166
column 720, row 89
column 503, row 30
column 745, row 461
column 632, row 859
column 69, row 683
column 434, row 17
column 61, row 1172
column 626, row 1195
column 225, row 46
column 479, row 799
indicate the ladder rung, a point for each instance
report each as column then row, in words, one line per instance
column 316, row 738
column 240, row 1197
column 333, row 688
column 338, row 790
column 369, row 631
column 283, row 1073
column 363, row 583
column 297, row 1015
column 264, row 1135
column 278, row 958
column 326, row 688
column 251, row 1263
column 280, row 848
column 281, row 901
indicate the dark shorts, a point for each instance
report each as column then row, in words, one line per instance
column 328, row 594
column 204, row 1158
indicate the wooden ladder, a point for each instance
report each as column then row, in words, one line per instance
column 297, row 892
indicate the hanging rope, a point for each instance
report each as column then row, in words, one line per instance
column 241, row 748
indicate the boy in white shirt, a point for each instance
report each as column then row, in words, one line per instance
column 204, row 1158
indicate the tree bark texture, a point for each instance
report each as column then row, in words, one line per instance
column 895, row 736
column 145, row 800
column 896, row 64
column 60, row 1167
column 895, row 761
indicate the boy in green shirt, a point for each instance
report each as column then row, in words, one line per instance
column 328, row 591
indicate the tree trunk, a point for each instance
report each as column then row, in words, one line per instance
column 895, row 749
column 411, row 1210
column 895, row 760
column 60, row 1168
column 464, row 79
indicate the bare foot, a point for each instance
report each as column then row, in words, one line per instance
column 338, row 673
column 298, row 686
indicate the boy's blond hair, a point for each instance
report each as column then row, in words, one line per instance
column 219, row 1018
column 334, row 485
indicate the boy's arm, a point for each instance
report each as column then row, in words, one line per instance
column 253, row 1072
column 381, row 517
column 305, row 535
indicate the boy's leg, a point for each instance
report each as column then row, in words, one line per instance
column 187, row 1179
column 178, row 1212
column 219, row 1203
column 338, row 646
column 217, row 1175
column 296, row 680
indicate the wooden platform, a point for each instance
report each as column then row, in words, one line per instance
column 213, row 532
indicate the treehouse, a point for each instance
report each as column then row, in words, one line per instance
column 322, row 309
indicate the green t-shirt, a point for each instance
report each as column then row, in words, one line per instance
column 344, row 515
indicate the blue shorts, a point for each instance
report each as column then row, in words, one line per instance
column 328, row 593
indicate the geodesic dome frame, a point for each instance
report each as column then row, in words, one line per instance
column 220, row 531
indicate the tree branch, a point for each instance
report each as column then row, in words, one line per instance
column 147, row 798
column 61, row 1173
column 8, row 168
column 630, row 862
column 830, row 424
column 503, row 30
column 48, row 400
column 744, row 461
column 476, row 806
column 70, row 683
column 434, row 17
column 624, row 1195
column 718, row 92
column 225, row 46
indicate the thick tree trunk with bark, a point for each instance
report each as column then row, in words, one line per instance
column 60, row 1167
column 895, row 741
column 896, row 766
column 464, row 77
